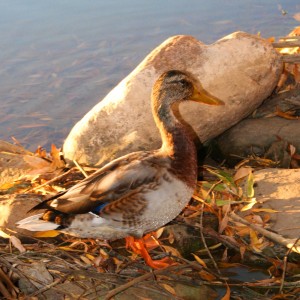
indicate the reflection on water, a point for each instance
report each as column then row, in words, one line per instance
column 58, row 59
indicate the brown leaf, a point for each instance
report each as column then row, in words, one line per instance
column 242, row 173
column 171, row 250
column 17, row 243
column 286, row 115
column 242, row 251
column 40, row 152
column 223, row 224
column 207, row 276
column 57, row 161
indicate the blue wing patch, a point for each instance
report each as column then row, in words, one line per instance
column 98, row 208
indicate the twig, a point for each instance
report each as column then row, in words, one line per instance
column 284, row 267
column 49, row 181
column 134, row 281
column 287, row 44
column 7, row 281
column 291, row 58
column 80, row 168
column 290, row 38
column 201, row 231
column 45, row 288
column 196, row 266
column 289, row 243
column 4, row 291
column 204, row 242
column 256, row 258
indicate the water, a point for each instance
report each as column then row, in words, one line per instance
column 59, row 58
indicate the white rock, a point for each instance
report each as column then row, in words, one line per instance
column 240, row 69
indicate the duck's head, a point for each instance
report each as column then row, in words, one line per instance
column 174, row 86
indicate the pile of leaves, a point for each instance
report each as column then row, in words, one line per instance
column 208, row 245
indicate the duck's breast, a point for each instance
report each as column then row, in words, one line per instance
column 166, row 202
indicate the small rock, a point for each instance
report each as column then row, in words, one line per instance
column 264, row 134
column 279, row 190
column 240, row 69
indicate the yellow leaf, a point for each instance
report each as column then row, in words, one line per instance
column 159, row 232
column 199, row 260
column 4, row 235
column 253, row 237
column 48, row 233
column 171, row 238
column 249, row 205
column 270, row 210
column 250, row 183
column 89, row 256
column 85, row 260
column 103, row 253
column 172, row 250
column 67, row 248
column 9, row 185
column 168, row 288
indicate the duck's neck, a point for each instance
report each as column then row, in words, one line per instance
column 177, row 144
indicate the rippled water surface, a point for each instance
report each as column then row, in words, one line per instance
column 59, row 58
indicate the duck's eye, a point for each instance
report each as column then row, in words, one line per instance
column 183, row 82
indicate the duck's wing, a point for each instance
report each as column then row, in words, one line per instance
column 121, row 178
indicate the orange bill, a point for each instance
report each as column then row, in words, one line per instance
column 202, row 96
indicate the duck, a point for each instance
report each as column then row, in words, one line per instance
column 137, row 193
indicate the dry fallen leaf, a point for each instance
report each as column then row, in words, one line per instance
column 199, row 260
column 270, row 210
column 14, row 240
column 242, row 173
column 227, row 295
column 48, row 233
column 57, row 161
column 168, row 288
column 249, row 205
column 171, row 250
column 85, row 260
column 17, row 243
column 159, row 232
column 223, row 224
column 207, row 276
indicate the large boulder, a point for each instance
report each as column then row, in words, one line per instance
column 240, row 69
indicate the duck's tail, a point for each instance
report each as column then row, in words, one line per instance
column 34, row 223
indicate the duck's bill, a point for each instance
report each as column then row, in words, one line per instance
column 201, row 95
